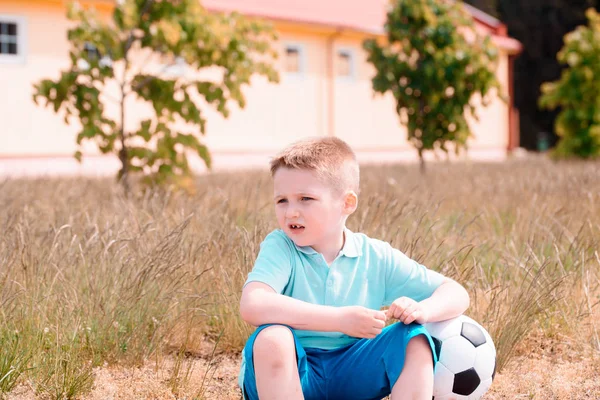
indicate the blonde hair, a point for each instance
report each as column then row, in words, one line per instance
column 331, row 158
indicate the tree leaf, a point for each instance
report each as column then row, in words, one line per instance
column 168, row 31
column 425, row 54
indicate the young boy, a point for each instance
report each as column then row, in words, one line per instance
column 316, row 291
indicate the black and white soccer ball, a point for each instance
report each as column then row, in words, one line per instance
column 466, row 359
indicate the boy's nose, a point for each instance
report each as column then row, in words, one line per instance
column 292, row 212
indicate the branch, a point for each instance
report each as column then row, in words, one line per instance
column 150, row 78
column 147, row 5
column 111, row 98
column 128, row 44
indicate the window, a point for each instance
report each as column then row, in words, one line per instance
column 294, row 59
column 345, row 63
column 8, row 38
column 12, row 39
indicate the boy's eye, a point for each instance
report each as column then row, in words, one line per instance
column 306, row 198
column 281, row 201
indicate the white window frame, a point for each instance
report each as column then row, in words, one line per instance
column 21, row 55
column 352, row 55
column 300, row 48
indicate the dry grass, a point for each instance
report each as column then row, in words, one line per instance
column 107, row 297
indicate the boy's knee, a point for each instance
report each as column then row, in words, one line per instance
column 419, row 341
column 418, row 349
column 274, row 342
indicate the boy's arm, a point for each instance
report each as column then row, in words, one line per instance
column 416, row 293
column 449, row 300
column 260, row 305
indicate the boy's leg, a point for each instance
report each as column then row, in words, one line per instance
column 369, row 368
column 418, row 367
column 275, row 364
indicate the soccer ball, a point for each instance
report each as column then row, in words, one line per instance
column 466, row 359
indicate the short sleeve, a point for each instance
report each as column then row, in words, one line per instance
column 273, row 265
column 407, row 278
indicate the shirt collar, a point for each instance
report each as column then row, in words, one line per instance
column 350, row 249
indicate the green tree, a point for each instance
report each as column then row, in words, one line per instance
column 576, row 92
column 540, row 25
column 132, row 56
column 433, row 63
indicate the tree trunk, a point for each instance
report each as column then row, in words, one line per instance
column 420, row 124
column 123, row 155
column 124, row 171
column 421, row 160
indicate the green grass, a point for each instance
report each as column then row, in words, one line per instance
column 89, row 277
column 13, row 362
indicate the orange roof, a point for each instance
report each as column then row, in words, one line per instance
column 362, row 15
column 359, row 15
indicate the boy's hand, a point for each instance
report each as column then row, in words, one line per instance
column 361, row 322
column 407, row 310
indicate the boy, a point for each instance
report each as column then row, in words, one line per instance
column 316, row 291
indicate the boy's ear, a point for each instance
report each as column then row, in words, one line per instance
column 350, row 202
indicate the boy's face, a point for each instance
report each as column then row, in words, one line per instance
column 309, row 211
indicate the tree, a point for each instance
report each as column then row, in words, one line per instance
column 433, row 63
column 540, row 25
column 136, row 53
column 576, row 92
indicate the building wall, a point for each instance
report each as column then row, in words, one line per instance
column 276, row 114
column 27, row 129
column 371, row 124
column 34, row 139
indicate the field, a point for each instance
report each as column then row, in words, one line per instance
column 107, row 297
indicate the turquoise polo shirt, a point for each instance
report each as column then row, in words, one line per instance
column 367, row 272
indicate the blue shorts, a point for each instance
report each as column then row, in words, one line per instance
column 365, row 370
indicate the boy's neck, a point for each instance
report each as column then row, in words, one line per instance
column 331, row 252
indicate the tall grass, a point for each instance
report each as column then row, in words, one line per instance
column 88, row 277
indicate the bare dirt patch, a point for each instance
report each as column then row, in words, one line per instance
column 541, row 377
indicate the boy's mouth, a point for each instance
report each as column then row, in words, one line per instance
column 296, row 227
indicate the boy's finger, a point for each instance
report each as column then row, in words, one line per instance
column 380, row 315
column 407, row 312
column 396, row 311
column 413, row 316
column 391, row 310
column 402, row 302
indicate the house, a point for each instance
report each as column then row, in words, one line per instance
column 325, row 89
